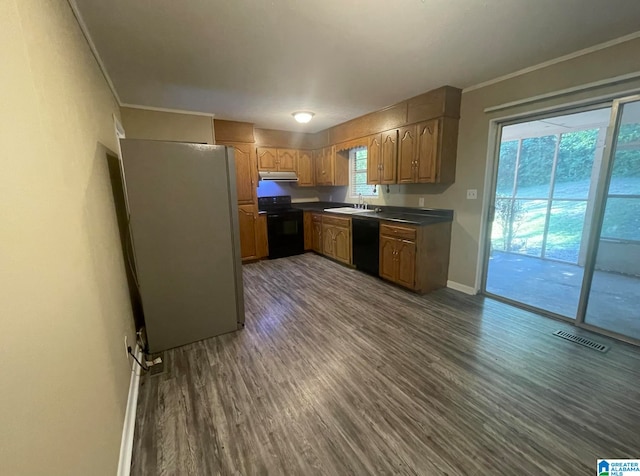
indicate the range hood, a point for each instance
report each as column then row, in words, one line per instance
column 278, row 176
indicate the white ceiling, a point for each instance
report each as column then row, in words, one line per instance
column 260, row 60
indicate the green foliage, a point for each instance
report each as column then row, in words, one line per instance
column 627, row 160
column 509, row 215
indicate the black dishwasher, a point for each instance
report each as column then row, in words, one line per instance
column 366, row 244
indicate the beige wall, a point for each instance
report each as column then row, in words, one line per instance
column 64, row 306
column 474, row 139
column 169, row 126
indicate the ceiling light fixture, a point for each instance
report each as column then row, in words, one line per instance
column 303, row 116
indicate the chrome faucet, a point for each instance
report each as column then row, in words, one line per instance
column 359, row 201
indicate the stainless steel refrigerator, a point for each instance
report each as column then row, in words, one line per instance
column 183, row 220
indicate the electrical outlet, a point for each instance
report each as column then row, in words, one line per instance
column 126, row 346
column 421, row 202
column 331, row 198
column 472, row 194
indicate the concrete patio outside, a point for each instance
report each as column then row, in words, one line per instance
column 614, row 302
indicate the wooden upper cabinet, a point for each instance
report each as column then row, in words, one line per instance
column 247, row 223
column 267, row 158
column 427, row 151
column 328, row 162
column 389, row 157
column 246, row 172
column 373, row 159
column 287, row 160
column 422, row 155
column 332, row 168
column 407, row 144
column 306, row 169
column 317, row 165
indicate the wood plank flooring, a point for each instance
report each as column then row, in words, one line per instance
column 340, row 373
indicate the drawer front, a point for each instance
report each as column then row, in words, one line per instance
column 403, row 232
column 337, row 221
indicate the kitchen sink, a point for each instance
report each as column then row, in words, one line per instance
column 349, row 210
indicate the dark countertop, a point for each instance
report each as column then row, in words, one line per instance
column 407, row 215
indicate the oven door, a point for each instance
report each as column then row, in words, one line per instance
column 286, row 234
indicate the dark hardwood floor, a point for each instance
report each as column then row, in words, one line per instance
column 340, row 373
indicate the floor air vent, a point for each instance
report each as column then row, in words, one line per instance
column 157, row 369
column 582, row 341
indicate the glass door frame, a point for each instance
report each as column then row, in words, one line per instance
column 599, row 206
column 597, row 213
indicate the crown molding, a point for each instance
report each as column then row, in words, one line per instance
column 94, row 50
column 560, row 59
column 166, row 109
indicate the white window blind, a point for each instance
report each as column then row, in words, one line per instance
column 358, row 175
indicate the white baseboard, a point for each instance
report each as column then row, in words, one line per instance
column 462, row 288
column 126, row 445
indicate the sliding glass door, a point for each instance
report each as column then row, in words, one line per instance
column 545, row 184
column 613, row 294
column 564, row 234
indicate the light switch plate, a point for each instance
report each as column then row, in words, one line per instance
column 472, row 194
column 421, row 202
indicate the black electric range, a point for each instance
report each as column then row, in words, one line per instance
column 285, row 226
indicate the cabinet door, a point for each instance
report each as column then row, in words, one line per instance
column 388, row 258
column 427, row 151
column 328, row 164
column 406, row 258
column 246, row 172
column 247, row 221
column 318, row 158
column 267, row 158
column 373, row 160
column 342, row 245
column 407, row 155
column 305, row 169
column 308, row 231
column 287, row 160
column 262, row 240
column 327, row 240
column 389, row 157
column 317, row 235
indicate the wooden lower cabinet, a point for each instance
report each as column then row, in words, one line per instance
column 415, row 257
column 406, row 260
column 342, row 245
column 336, row 238
column 336, row 243
column 247, row 219
column 398, row 261
column 262, row 240
column 387, row 268
column 308, row 231
column 316, row 230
